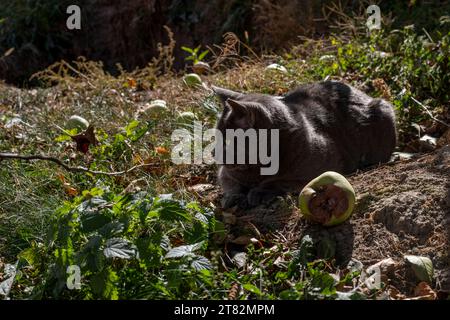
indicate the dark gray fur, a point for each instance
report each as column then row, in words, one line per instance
column 325, row 126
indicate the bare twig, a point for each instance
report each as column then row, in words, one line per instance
column 80, row 74
column 4, row 156
column 62, row 130
column 428, row 35
column 429, row 113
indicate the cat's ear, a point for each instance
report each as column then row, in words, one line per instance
column 225, row 94
column 239, row 109
column 246, row 114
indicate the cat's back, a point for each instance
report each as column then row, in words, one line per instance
column 362, row 127
column 327, row 102
column 327, row 94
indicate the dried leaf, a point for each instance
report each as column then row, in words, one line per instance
column 131, row 83
column 61, row 178
column 85, row 139
column 242, row 240
column 444, row 139
column 71, row 191
column 8, row 52
column 200, row 188
column 161, row 150
column 239, row 259
column 395, row 294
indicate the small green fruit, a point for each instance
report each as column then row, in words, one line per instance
column 77, row 122
column 328, row 199
column 192, row 80
column 277, row 67
column 186, row 117
column 157, row 107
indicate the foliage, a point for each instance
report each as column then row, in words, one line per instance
column 194, row 54
column 127, row 246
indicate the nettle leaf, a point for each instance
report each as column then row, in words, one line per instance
column 198, row 232
column 150, row 253
column 302, row 256
column 351, row 295
column 119, row 248
column 322, row 281
column 103, row 284
column 184, row 251
column 92, row 204
column 171, row 210
column 422, row 267
column 144, row 208
column 93, row 221
column 201, row 263
column 165, row 243
column 91, row 255
column 174, row 274
column 93, row 244
column 112, row 229
column 94, row 214
column 201, row 217
column 252, row 288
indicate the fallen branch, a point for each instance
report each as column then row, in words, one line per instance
column 429, row 113
column 4, row 156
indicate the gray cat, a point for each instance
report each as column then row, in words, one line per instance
column 325, row 126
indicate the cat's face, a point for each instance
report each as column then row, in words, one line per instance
column 241, row 111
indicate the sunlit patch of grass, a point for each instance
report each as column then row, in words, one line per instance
column 29, row 194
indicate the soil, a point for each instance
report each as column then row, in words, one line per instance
column 402, row 207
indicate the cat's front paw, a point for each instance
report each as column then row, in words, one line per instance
column 230, row 200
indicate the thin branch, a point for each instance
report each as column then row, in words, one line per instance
column 429, row 113
column 80, row 74
column 4, row 156
column 428, row 35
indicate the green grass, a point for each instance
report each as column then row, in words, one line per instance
column 29, row 196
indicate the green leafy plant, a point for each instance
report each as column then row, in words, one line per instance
column 126, row 246
column 194, row 54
